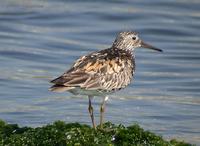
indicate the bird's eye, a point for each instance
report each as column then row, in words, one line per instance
column 134, row 37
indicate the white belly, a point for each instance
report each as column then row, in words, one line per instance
column 79, row 91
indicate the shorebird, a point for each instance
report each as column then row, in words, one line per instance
column 102, row 72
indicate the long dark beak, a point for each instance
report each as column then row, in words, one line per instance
column 145, row 45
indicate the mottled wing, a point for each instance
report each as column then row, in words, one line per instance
column 76, row 75
column 97, row 71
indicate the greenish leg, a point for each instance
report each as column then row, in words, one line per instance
column 102, row 110
column 90, row 109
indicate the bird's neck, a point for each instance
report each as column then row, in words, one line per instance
column 122, row 45
column 123, row 52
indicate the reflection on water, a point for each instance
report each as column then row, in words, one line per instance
column 40, row 39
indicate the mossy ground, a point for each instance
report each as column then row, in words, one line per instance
column 61, row 134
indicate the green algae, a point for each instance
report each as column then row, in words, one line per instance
column 74, row 134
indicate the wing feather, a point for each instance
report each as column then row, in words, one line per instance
column 99, row 70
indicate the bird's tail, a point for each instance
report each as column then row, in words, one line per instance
column 60, row 88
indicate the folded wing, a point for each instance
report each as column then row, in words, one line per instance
column 97, row 71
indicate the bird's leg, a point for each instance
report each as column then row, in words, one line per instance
column 102, row 110
column 90, row 109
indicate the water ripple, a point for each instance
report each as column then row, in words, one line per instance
column 41, row 39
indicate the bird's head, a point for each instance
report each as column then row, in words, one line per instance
column 130, row 40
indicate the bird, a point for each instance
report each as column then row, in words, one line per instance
column 102, row 72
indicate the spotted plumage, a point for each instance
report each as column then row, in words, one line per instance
column 103, row 72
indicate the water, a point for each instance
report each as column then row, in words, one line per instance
column 40, row 39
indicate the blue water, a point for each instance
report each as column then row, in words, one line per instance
column 39, row 40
